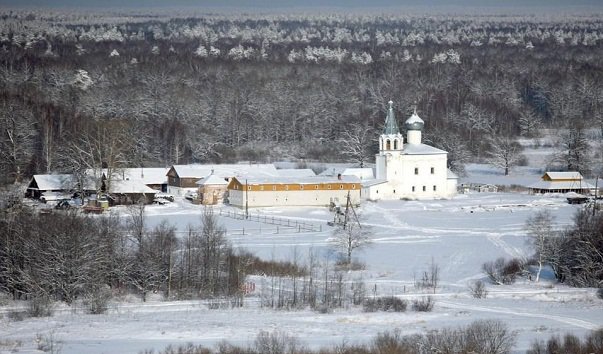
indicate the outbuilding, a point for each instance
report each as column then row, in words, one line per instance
column 291, row 191
column 562, row 182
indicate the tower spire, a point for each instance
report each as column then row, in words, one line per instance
column 391, row 126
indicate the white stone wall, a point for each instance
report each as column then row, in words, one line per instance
column 292, row 198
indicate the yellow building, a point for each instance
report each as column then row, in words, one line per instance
column 291, row 191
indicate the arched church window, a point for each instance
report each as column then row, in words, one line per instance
column 388, row 145
column 395, row 144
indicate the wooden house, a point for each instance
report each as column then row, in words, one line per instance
column 184, row 178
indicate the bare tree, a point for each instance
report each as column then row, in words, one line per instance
column 529, row 123
column 356, row 142
column 540, row 228
column 505, row 153
column 17, row 139
column 350, row 238
column 575, row 152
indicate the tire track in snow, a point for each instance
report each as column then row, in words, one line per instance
column 496, row 239
column 576, row 322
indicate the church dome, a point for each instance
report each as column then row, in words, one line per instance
column 414, row 122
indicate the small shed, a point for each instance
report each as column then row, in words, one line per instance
column 212, row 189
column 561, row 182
column 130, row 192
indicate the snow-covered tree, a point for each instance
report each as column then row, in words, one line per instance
column 540, row 229
column 201, row 52
column 505, row 153
column 350, row 238
column 356, row 142
column 82, row 80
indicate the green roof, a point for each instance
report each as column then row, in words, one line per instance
column 391, row 126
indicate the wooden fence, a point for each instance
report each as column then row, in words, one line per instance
column 281, row 223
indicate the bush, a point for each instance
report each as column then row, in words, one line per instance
column 502, row 271
column 49, row 343
column 394, row 343
column 40, row 306
column 276, row 342
column 478, row 289
column 387, row 304
column 424, row 304
column 17, row 316
column 593, row 343
column 484, row 337
column 97, row 301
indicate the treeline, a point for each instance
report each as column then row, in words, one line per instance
column 70, row 257
column 139, row 94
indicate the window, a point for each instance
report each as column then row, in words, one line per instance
column 329, row 187
column 394, row 191
column 416, row 170
column 341, row 186
column 424, row 188
column 301, row 187
column 387, row 145
column 396, row 144
column 434, row 188
column 248, row 188
column 413, row 188
column 353, row 186
column 432, row 170
column 316, row 186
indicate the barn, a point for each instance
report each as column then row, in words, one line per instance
column 293, row 191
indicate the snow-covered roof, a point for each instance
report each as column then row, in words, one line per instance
column 130, row 187
column 421, row 149
column 299, row 180
column 227, row 170
column 61, row 182
column 373, row 182
column 54, row 182
column 212, row 180
column 414, row 122
column 563, row 175
column 362, row 173
column 296, row 172
column 148, row 175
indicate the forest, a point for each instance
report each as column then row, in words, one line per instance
column 81, row 90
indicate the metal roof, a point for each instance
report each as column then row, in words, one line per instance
column 391, row 126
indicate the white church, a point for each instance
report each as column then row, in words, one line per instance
column 411, row 169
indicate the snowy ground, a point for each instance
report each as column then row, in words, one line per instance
column 459, row 235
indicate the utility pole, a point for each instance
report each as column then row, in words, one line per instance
column 246, row 200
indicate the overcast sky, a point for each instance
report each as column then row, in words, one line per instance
column 267, row 4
